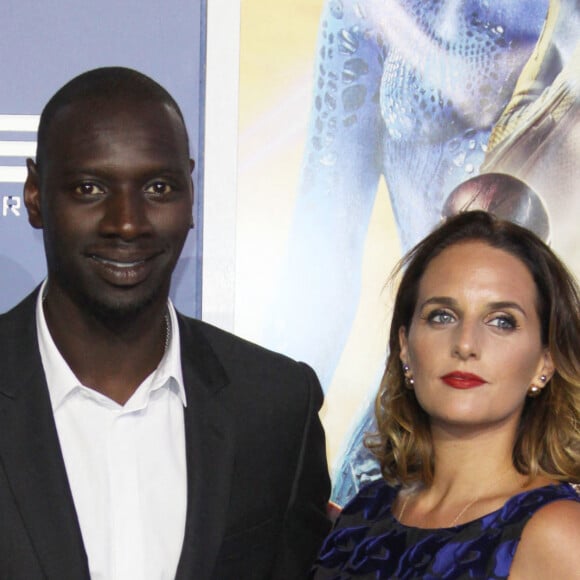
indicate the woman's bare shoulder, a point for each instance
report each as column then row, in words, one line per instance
column 549, row 544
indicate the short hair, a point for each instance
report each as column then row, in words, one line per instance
column 103, row 83
column 548, row 439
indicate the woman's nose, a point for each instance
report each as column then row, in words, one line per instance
column 466, row 341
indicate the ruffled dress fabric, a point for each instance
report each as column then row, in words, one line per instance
column 369, row 542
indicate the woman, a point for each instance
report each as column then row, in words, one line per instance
column 477, row 416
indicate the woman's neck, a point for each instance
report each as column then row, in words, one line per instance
column 474, row 475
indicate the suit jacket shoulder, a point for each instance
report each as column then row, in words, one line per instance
column 229, row 356
column 275, row 478
column 39, row 532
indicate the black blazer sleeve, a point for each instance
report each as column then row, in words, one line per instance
column 306, row 523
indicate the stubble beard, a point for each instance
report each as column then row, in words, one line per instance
column 118, row 314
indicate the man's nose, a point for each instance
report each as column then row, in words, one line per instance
column 125, row 215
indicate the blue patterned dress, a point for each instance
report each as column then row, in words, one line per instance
column 368, row 542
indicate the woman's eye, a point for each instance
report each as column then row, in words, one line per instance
column 159, row 188
column 503, row 321
column 440, row 317
column 88, row 189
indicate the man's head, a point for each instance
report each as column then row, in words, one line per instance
column 111, row 189
column 107, row 83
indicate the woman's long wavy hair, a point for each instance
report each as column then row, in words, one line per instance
column 548, row 437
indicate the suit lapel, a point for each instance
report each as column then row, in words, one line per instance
column 30, row 452
column 209, row 431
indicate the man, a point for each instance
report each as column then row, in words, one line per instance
column 135, row 442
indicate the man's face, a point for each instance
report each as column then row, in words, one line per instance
column 114, row 198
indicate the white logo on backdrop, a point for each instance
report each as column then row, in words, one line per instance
column 17, row 142
column 11, row 204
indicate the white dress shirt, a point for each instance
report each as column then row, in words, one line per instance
column 126, row 464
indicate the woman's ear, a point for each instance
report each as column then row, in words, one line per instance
column 404, row 354
column 547, row 367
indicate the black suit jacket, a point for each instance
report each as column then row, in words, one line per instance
column 257, row 476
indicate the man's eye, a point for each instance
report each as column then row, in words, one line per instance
column 88, row 189
column 159, row 188
column 440, row 317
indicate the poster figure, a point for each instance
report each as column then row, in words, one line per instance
column 407, row 91
column 537, row 138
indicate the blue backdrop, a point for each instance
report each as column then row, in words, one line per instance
column 44, row 43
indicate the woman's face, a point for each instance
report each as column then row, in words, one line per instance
column 473, row 345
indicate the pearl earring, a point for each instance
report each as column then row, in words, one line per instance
column 409, row 380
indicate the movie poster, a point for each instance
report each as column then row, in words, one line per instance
column 357, row 119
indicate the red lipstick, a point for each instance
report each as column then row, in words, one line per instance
column 460, row 380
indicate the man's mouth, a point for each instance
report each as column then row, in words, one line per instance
column 126, row 271
column 118, row 263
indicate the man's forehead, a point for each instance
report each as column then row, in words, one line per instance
column 88, row 110
column 97, row 119
column 91, row 134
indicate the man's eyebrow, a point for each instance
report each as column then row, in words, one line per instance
column 159, row 170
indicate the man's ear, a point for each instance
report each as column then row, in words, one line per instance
column 32, row 195
column 191, row 168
